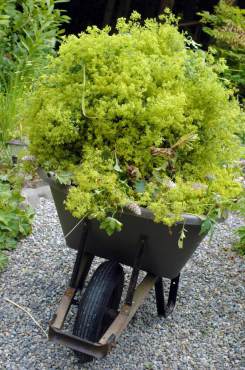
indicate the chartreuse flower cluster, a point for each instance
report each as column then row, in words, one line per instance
column 139, row 116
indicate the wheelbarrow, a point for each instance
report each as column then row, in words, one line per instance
column 143, row 245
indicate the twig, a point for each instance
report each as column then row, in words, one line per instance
column 66, row 236
column 28, row 313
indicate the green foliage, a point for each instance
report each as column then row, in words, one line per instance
column 182, row 237
column 63, row 177
column 111, row 225
column 240, row 246
column 227, row 29
column 137, row 117
column 208, row 225
column 98, row 191
column 28, row 33
column 3, row 260
column 240, row 231
column 15, row 218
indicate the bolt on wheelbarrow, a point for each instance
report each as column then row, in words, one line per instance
column 143, row 245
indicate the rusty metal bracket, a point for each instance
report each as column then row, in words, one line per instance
column 81, row 345
column 127, row 311
column 63, row 308
column 134, row 299
column 108, row 340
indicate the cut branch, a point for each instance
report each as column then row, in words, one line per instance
column 29, row 314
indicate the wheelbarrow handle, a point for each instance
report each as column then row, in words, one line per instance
column 108, row 340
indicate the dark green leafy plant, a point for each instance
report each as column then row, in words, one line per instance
column 15, row 217
column 14, row 220
column 29, row 31
column 240, row 231
column 227, row 29
column 139, row 117
column 240, row 245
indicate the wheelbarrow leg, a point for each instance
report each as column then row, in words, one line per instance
column 162, row 308
column 82, row 264
column 135, row 271
column 160, row 302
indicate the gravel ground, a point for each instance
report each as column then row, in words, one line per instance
column 204, row 332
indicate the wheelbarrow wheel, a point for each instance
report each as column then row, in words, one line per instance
column 99, row 304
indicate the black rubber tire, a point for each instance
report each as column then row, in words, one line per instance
column 102, row 293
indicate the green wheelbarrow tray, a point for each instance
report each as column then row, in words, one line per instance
column 141, row 244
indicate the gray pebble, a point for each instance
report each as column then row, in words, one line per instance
column 204, row 332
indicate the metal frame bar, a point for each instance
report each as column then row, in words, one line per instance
column 134, row 299
column 162, row 308
column 108, row 340
column 79, row 258
column 135, row 271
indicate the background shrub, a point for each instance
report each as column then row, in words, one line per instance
column 29, row 31
column 227, row 29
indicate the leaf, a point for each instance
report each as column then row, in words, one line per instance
column 207, row 226
column 182, row 237
column 106, row 154
column 117, row 167
column 64, row 177
column 140, row 186
column 180, row 243
column 11, row 244
column 98, row 191
column 5, row 228
column 241, row 243
column 25, row 228
column 76, row 68
column 4, row 178
column 3, row 219
column 3, row 261
column 111, row 225
column 5, row 195
column 241, row 231
column 4, row 20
